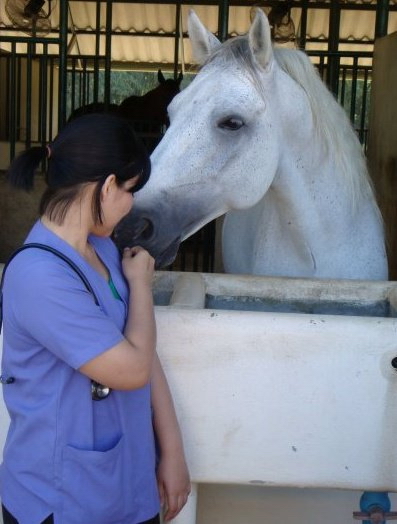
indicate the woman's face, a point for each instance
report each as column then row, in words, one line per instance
column 117, row 201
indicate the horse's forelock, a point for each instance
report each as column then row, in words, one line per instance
column 237, row 50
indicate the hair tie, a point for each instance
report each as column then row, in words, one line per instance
column 48, row 151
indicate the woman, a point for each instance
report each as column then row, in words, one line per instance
column 84, row 386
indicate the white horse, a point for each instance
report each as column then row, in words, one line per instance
column 258, row 136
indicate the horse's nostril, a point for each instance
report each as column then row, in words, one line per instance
column 146, row 231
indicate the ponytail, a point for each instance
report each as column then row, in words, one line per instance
column 86, row 151
column 22, row 169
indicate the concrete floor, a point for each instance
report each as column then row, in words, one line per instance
column 222, row 504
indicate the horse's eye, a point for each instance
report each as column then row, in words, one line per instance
column 231, row 124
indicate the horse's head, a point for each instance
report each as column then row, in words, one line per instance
column 169, row 86
column 222, row 148
column 160, row 97
column 152, row 106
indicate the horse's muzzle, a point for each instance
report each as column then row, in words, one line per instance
column 140, row 231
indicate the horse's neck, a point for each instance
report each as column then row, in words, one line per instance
column 155, row 95
column 311, row 193
column 305, row 225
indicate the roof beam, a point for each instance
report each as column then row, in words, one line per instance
column 251, row 3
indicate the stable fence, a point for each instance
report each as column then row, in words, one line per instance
column 352, row 87
column 28, row 98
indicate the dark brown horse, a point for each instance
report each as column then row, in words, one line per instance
column 153, row 105
column 150, row 107
column 94, row 107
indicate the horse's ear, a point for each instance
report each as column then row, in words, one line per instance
column 160, row 77
column 203, row 41
column 180, row 78
column 259, row 38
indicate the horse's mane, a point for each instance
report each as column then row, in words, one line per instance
column 333, row 127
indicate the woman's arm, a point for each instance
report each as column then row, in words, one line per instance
column 128, row 365
column 172, row 473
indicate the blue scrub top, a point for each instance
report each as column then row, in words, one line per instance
column 83, row 460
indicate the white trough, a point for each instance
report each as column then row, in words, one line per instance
column 280, row 382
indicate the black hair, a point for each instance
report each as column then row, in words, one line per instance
column 88, row 149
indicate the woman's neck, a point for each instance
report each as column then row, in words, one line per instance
column 71, row 231
column 76, row 235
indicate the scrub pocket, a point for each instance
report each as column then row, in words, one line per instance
column 93, row 484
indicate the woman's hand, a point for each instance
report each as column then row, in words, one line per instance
column 173, row 482
column 172, row 472
column 138, row 265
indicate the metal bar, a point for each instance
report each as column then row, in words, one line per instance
column 26, row 39
column 89, row 31
column 12, row 124
column 184, row 34
column 254, row 3
column 341, row 41
column 353, row 93
column 91, row 59
column 177, row 37
column 63, row 25
column 343, row 87
column 382, row 18
column 31, row 50
column 51, row 104
column 333, row 43
column 3, row 91
column 362, row 133
column 18, row 96
column 73, row 86
column 108, row 53
column 97, row 49
column 83, row 78
column 88, row 84
column 40, row 104
column 223, row 19
column 362, row 54
column 44, row 95
column 310, row 52
column 7, row 59
column 80, row 87
column 303, row 25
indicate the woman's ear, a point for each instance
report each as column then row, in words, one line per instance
column 108, row 185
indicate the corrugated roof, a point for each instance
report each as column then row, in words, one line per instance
column 136, row 19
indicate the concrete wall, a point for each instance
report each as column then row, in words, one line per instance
column 18, row 212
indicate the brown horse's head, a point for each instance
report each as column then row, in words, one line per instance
column 152, row 106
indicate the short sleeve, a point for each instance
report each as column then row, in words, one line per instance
column 50, row 303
